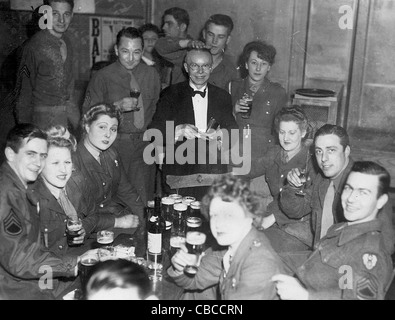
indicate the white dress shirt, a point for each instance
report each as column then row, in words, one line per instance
column 200, row 106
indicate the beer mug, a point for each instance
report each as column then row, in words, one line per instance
column 195, row 241
column 73, row 226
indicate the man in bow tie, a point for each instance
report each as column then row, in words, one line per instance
column 184, row 111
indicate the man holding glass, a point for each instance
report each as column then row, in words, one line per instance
column 117, row 84
column 182, row 116
column 323, row 196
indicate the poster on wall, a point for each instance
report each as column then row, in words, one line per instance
column 103, row 34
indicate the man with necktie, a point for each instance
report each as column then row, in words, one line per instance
column 323, row 196
column 120, row 84
column 183, row 113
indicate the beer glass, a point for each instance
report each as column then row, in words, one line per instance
column 105, row 238
column 248, row 99
column 73, row 226
column 85, row 269
column 195, row 241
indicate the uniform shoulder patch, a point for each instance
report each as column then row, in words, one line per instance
column 367, row 288
column 12, row 225
column 369, row 260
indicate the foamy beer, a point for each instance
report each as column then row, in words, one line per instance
column 73, row 227
column 85, row 269
column 195, row 241
column 105, row 237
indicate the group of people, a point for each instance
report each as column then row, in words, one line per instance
column 278, row 236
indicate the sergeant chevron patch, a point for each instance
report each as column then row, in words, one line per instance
column 12, row 225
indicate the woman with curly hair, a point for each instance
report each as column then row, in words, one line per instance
column 242, row 266
column 286, row 233
column 99, row 161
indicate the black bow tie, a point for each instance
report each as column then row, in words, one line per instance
column 202, row 93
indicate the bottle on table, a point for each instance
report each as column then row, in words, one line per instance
column 156, row 227
column 167, row 213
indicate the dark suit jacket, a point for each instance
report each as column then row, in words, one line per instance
column 108, row 183
column 176, row 105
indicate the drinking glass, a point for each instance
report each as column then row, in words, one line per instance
column 195, row 241
column 73, row 226
column 248, row 99
column 134, row 93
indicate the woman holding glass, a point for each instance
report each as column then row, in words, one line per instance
column 63, row 195
column 287, row 233
column 267, row 99
column 119, row 205
column 243, row 261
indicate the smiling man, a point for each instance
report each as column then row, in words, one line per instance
column 187, row 108
column 216, row 36
column 351, row 261
column 113, row 85
column 45, row 85
column 323, row 196
column 22, row 259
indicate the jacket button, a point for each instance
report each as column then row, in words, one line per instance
column 104, row 183
column 60, row 247
column 281, row 189
column 105, row 197
column 65, row 220
column 101, row 205
column 282, row 176
column 64, row 235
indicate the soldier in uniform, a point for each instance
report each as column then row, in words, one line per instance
column 45, row 79
column 243, row 268
column 268, row 98
column 352, row 261
column 26, row 271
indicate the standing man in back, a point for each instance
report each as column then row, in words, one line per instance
column 45, row 85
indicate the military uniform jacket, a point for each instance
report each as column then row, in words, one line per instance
column 249, row 275
column 351, row 262
column 112, row 83
column 268, row 100
column 296, row 207
column 45, row 80
column 108, row 184
column 22, row 257
column 53, row 218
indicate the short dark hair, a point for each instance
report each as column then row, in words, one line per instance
column 264, row 50
column 70, row 2
column 179, row 14
column 220, row 20
column 372, row 168
column 292, row 113
column 150, row 27
column 131, row 33
column 233, row 188
column 101, row 109
column 119, row 273
column 22, row 131
column 339, row 131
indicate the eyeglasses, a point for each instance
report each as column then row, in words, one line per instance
column 196, row 67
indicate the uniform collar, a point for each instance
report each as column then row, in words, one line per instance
column 351, row 232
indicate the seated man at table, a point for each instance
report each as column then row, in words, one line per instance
column 351, row 261
column 245, row 264
column 26, row 271
column 119, row 280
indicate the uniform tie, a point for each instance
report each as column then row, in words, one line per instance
column 227, row 259
column 67, row 206
column 63, row 50
column 138, row 120
column 327, row 213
